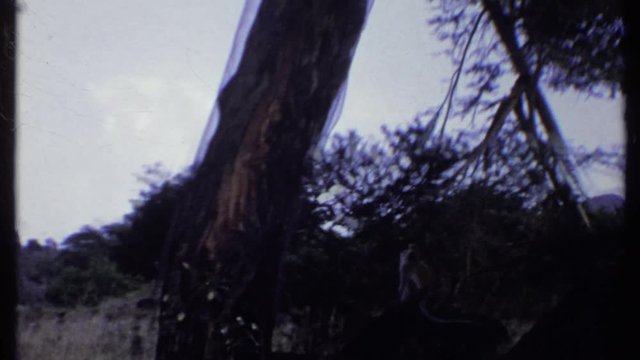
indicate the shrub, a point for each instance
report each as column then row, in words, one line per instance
column 76, row 286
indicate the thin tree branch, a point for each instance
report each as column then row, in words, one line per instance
column 506, row 106
column 506, row 31
column 456, row 75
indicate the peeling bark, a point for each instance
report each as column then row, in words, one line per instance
column 229, row 235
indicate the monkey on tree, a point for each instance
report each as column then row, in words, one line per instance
column 481, row 336
column 415, row 281
column 414, row 275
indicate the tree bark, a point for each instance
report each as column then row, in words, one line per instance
column 8, row 235
column 230, row 232
column 506, row 32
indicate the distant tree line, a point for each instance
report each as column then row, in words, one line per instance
column 94, row 263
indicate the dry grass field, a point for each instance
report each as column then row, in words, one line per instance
column 118, row 330
column 114, row 330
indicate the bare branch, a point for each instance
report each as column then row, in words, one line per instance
column 456, row 75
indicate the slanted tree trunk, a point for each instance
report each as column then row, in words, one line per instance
column 8, row 235
column 230, row 232
column 530, row 92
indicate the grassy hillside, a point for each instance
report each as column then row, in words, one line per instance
column 116, row 329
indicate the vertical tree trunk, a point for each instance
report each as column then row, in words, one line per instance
column 631, row 90
column 8, row 238
column 230, row 233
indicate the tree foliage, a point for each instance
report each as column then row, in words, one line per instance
column 35, row 264
column 570, row 44
column 88, row 285
column 560, row 45
column 496, row 242
column 137, row 241
column 579, row 41
column 94, row 263
column 81, row 272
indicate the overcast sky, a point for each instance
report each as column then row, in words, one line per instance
column 106, row 87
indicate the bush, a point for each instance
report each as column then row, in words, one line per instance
column 35, row 265
column 76, row 286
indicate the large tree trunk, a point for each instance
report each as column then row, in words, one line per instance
column 8, row 233
column 230, row 233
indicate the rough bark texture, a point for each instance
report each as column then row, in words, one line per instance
column 228, row 238
column 8, row 239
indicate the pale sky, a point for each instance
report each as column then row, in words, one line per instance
column 106, row 87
